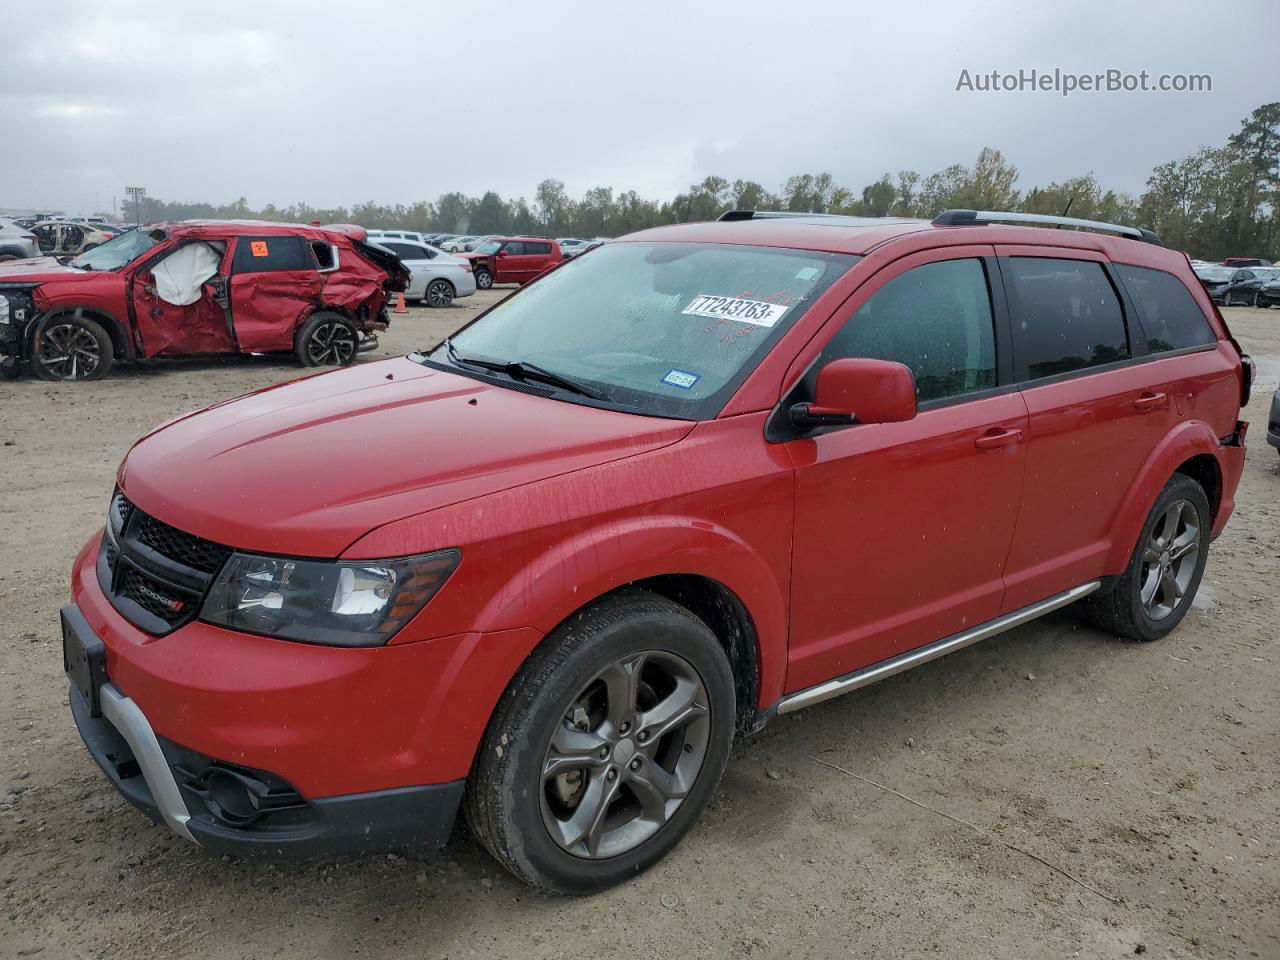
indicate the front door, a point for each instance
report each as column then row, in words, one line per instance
column 274, row 284
column 175, row 298
column 902, row 529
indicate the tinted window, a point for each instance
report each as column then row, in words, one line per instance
column 515, row 248
column 256, row 254
column 1066, row 315
column 936, row 319
column 539, row 248
column 1170, row 316
column 406, row 251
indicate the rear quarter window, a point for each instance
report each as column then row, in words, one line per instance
column 1066, row 316
column 1170, row 316
column 261, row 254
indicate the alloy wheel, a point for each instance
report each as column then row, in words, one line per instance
column 625, row 755
column 484, row 280
column 69, row 352
column 439, row 293
column 1169, row 559
column 331, row 343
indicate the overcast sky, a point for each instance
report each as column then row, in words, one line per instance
column 398, row 102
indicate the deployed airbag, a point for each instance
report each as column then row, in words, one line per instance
column 180, row 275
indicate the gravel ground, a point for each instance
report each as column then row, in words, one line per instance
column 1148, row 774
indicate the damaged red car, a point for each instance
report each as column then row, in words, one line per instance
column 198, row 288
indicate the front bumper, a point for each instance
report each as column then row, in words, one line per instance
column 237, row 810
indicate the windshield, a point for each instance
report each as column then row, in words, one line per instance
column 666, row 329
column 489, row 246
column 1214, row 274
column 119, row 251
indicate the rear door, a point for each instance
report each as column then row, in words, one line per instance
column 902, row 529
column 274, row 284
column 1095, row 417
column 537, row 258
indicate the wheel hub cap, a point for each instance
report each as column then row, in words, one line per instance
column 1169, row 559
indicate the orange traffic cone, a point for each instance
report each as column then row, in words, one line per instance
column 400, row 303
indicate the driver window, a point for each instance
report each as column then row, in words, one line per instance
column 180, row 276
column 936, row 319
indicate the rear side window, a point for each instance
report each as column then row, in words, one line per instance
column 326, row 255
column 1170, row 316
column 259, row 254
column 407, row 251
column 935, row 319
column 537, row 248
column 1066, row 316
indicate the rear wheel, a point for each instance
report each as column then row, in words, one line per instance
column 1155, row 591
column 326, row 339
column 439, row 293
column 606, row 747
column 71, row 346
column 484, row 279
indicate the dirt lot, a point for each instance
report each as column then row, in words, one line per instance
column 1150, row 774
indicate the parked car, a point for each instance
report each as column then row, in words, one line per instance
column 63, row 238
column 1273, row 421
column 512, row 259
column 710, row 474
column 197, row 287
column 1269, row 294
column 437, row 278
column 412, row 236
column 17, row 243
column 1245, row 262
column 1215, row 280
column 457, row 244
column 1244, row 286
column 570, row 247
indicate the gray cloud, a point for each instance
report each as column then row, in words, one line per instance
column 391, row 102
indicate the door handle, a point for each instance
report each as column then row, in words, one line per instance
column 996, row 438
column 1150, row 401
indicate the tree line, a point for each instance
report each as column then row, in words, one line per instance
column 1219, row 201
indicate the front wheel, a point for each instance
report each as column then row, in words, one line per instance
column 71, row 346
column 325, row 339
column 484, row 279
column 1156, row 589
column 606, row 747
column 439, row 293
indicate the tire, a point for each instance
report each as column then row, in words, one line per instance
column 71, row 346
column 484, row 279
column 1123, row 611
column 557, row 714
column 439, row 293
column 1255, row 299
column 326, row 338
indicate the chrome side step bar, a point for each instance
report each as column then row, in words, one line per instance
column 931, row 651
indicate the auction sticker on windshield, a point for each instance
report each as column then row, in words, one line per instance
column 755, row 312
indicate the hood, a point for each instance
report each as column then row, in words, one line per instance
column 309, row 467
column 39, row 270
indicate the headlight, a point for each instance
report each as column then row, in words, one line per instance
column 345, row 604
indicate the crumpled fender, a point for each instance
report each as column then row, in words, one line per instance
column 1188, row 439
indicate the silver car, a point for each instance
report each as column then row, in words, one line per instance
column 17, row 243
column 437, row 278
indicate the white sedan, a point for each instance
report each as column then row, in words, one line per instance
column 437, row 277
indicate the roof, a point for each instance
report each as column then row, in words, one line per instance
column 258, row 228
column 861, row 235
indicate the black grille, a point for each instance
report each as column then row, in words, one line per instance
column 153, row 597
column 184, row 548
column 120, row 509
column 155, row 574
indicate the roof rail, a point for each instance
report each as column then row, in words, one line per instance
column 979, row 218
column 772, row 214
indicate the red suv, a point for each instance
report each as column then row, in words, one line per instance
column 197, row 287
column 709, row 474
column 512, row 259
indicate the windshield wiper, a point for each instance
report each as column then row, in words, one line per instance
column 524, row 370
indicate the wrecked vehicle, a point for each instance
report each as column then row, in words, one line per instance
column 66, row 238
column 198, row 288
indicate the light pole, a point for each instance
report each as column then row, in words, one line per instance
column 136, row 194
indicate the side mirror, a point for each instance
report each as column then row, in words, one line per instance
column 858, row 390
column 504, row 252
